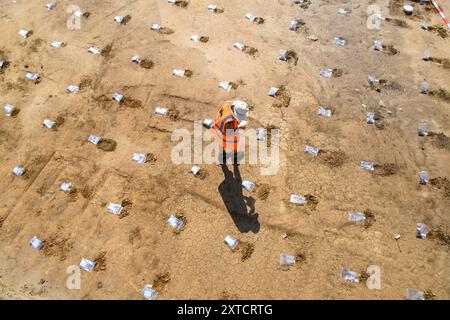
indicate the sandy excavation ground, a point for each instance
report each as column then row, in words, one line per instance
column 139, row 247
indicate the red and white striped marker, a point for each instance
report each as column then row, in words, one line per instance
column 441, row 13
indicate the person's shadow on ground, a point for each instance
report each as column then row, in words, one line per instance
column 241, row 208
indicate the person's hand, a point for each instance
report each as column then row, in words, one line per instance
column 243, row 125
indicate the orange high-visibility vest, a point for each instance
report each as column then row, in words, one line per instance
column 225, row 116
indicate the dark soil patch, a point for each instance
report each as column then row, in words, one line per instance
column 126, row 204
column 246, row 250
column 439, row 140
column 442, row 183
column 445, row 63
column 390, row 50
column 441, row 93
column 146, row 64
column 398, row 22
column 337, row 73
column 151, row 158
column 291, row 56
column 440, row 30
column 387, row 169
column 85, row 83
column 332, row 159
column 107, row 145
column 263, row 191
column 161, row 279
column 269, row 129
column 2, row 220
column 364, row 276
column 250, row 50
column 440, row 235
column 164, row 30
column 429, row 295
column 202, row 174
column 135, row 234
column 73, row 195
column 36, row 44
column 132, row 103
column 126, row 19
column 100, row 261
column 182, row 4
column 106, row 51
column 370, row 219
column 174, row 114
column 225, row 295
column 283, row 98
column 311, row 202
column 300, row 258
column 87, row 192
column 57, row 247
column 258, row 20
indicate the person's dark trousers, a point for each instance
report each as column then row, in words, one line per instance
column 225, row 156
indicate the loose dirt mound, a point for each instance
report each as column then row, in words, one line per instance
column 246, row 250
column 440, row 235
column 100, row 261
column 129, row 102
column 126, row 204
column 385, row 170
column 370, row 219
column 333, row 159
column 56, row 246
column 250, row 51
column 441, row 94
column 107, row 145
column 146, row 64
column 161, row 279
column 283, row 98
column 311, row 202
column 439, row 140
column 263, row 191
column 442, row 183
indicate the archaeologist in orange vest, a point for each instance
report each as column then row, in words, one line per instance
column 230, row 118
